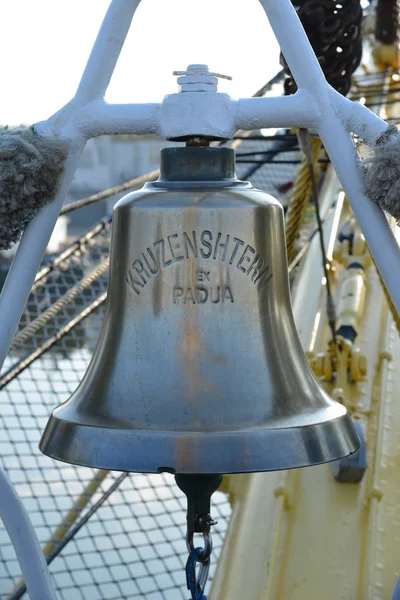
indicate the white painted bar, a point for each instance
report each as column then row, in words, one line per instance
column 95, row 79
column 374, row 225
column 336, row 139
column 26, row 545
column 295, row 46
column 357, row 118
column 101, row 118
column 28, row 258
column 299, row 110
column 106, row 50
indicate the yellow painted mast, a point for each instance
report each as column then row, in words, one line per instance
column 300, row 534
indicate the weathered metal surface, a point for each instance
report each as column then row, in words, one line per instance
column 199, row 368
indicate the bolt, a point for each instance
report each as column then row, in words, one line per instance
column 198, row 78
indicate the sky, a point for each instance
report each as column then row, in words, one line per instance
column 44, row 45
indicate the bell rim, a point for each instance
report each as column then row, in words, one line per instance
column 246, row 451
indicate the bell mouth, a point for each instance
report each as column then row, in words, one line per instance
column 242, row 451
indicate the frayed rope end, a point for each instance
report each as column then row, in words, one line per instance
column 382, row 172
column 30, row 170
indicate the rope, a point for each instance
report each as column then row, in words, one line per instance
column 50, row 312
column 306, row 146
column 68, row 520
column 70, row 534
column 77, row 247
column 335, row 34
column 50, row 342
column 71, row 516
column 127, row 185
column 300, row 198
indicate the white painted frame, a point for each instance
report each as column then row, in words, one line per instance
column 315, row 106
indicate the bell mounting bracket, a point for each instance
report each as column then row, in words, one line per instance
column 198, row 490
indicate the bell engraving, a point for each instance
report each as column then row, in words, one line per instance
column 201, row 295
column 176, row 248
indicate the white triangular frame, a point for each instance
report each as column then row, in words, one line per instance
column 316, row 105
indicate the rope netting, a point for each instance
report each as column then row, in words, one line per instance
column 133, row 545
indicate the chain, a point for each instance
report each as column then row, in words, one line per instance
column 197, row 582
column 334, row 31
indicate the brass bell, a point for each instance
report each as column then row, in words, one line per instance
column 198, row 368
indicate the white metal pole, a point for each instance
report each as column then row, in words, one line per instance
column 358, row 119
column 93, row 85
column 26, row 545
column 99, row 118
column 374, row 225
column 28, row 258
column 106, row 50
column 299, row 110
column 308, row 75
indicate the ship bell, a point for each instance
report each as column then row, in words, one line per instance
column 198, row 367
